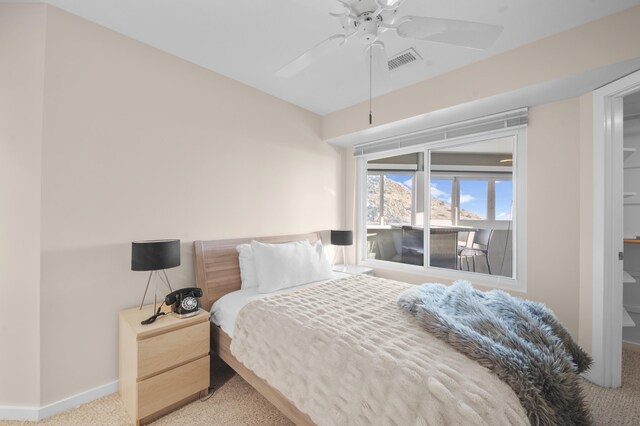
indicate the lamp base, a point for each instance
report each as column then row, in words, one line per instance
column 155, row 287
column 341, row 268
column 344, row 256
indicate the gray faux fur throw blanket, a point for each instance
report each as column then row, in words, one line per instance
column 520, row 341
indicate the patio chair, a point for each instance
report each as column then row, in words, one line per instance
column 479, row 247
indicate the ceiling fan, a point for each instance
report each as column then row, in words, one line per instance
column 367, row 19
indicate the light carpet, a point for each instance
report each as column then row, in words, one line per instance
column 620, row 406
column 235, row 402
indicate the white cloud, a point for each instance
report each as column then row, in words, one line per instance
column 503, row 216
column 408, row 183
column 464, row 198
column 439, row 194
column 435, row 192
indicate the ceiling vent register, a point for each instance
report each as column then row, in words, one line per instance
column 403, row 58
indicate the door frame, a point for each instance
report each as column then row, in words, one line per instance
column 608, row 208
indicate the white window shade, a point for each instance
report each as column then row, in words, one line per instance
column 505, row 120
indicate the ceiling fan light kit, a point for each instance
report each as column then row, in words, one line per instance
column 367, row 27
column 368, row 19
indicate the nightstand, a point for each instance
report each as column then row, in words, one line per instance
column 353, row 269
column 162, row 365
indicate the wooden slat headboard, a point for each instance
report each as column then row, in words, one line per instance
column 217, row 267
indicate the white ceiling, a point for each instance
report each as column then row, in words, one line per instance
column 249, row 40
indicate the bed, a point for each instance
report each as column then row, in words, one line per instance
column 217, row 274
column 430, row 384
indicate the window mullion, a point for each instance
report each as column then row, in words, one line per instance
column 381, row 198
column 491, row 199
column 414, row 199
column 455, row 201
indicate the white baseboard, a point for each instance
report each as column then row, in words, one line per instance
column 590, row 376
column 35, row 413
column 19, row 413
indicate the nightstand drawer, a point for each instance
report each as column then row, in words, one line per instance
column 165, row 351
column 158, row 392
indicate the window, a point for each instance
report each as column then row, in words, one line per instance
column 441, row 200
column 473, row 199
column 504, row 199
column 468, row 189
column 390, row 198
column 482, row 198
column 374, row 199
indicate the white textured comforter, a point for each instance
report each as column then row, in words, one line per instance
column 345, row 353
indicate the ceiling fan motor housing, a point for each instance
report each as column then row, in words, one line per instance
column 368, row 26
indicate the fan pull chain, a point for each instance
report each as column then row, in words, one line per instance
column 370, row 81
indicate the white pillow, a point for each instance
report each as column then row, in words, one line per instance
column 279, row 266
column 247, row 269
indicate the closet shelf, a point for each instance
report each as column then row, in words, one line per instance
column 626, row 319
column 628, row 151
column 632, row 308
column 627, row 278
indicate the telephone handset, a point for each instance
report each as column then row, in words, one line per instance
column 184, row 302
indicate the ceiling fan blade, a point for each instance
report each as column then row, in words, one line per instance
column 475, row 35
column 311, row 55
column 386, row 5
column 380, row 75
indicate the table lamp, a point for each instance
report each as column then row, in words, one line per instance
column 155, row 256
column 341, row 238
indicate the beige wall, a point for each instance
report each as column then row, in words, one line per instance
column 607, row 41
column 137, row 144
column 22, row 34
column 553, row 209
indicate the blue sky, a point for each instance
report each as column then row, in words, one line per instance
column 473, row 194
column 504, row 201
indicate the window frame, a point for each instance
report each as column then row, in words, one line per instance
column 519, row 212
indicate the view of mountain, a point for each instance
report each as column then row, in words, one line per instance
column 397, row 204
column 442, row 211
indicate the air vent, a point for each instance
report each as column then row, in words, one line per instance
column 403, row 58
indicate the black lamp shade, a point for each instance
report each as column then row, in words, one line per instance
column 154, row 255
column 341, row 238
